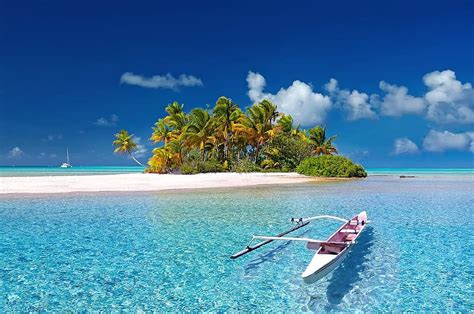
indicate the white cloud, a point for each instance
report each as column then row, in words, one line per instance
column 436, row 141
column 141, row 149
column 15, row 152
column 53, row 155
column 112, row 121
column 160, row 81
column 396, row 102
column 356, row 105
column 53, row 137
column 404, row 146
column 449, row 100
column 298, row 100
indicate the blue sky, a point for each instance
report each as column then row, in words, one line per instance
column 72, row 74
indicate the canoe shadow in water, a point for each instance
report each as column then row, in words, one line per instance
column 254, row 264
column 348, row 273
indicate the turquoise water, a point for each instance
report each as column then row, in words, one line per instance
column 88, row 170
column 58, row 171
column 170, row 250
column 422, row 171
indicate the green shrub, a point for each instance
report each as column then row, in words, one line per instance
column 188, row 168
column 199, row 166
column 212, row 165
column 245, row 165
column 330, row 166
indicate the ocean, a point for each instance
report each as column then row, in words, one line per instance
column 170, row 250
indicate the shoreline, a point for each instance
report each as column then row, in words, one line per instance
column 142, row 182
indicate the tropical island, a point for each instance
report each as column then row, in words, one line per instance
column 227, row 139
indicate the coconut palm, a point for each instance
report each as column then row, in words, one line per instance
column 225, row 114
column 257, row 125
column 199, row 129
column 321, row 144
column 174, row 108
column 162, row 132
column 125, row 144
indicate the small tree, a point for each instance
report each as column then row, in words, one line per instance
column 124, row 144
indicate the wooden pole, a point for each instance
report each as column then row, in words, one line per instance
column 249, row 249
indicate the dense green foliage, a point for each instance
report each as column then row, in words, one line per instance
column 331, row 166
column 245, row 165
column 225, row 138
column 286, row 152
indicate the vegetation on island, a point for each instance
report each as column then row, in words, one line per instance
column 330, row 166
column 225, row 138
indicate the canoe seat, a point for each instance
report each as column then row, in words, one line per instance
column 348, row 231
column 353, row 223
column 351, row 237
column 332, row 249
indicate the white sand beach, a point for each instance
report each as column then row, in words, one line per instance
column 143, row 182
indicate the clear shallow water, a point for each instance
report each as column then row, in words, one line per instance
column 8, row 171
column 58, row 171
column 422, row 171
column 170, row 250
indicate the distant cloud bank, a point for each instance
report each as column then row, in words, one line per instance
column 447, row 100
column 437, row 141
column 166, row 81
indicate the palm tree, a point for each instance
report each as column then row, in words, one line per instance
column 257, row 125
column 286, row 123
column 199, row 130
column 161, row 132
column 174, row 108
column 321, row 144
column 125, row 144
column 224, row 112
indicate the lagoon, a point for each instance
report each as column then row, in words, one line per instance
column 170, row 250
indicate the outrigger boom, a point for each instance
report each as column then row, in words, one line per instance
column 300, row 222
column 251, row 248
column 300, row 239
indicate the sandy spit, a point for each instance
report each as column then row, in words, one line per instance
column 141, row 182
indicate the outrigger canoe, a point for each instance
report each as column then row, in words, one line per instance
column 329, row 253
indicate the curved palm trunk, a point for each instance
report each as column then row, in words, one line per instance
column 134, row 159
column 257, row 150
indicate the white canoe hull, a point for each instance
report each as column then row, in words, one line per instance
column 324, row 261
column 312, row 277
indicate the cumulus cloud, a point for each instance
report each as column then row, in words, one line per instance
column 15, row 152
column 397, row 102
column 449, row 100
column 141, row 149
column 112, row 121
column 437, row 141
column 357, row 105
column 404, row 146
column 160, row 81
column 299, row 100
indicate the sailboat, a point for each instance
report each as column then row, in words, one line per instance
column 66, row 164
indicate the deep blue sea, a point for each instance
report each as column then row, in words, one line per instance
column 170, row 251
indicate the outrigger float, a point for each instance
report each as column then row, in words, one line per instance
column 329, row 253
